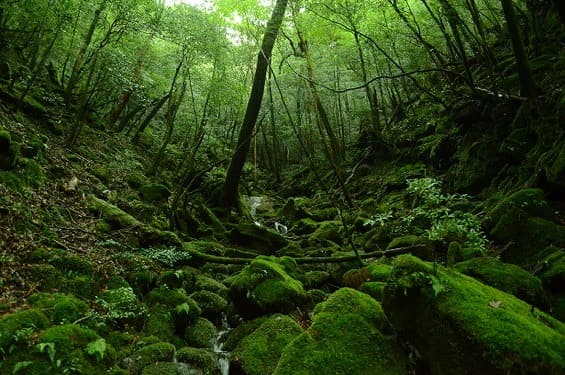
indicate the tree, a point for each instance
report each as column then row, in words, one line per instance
column 231, row 184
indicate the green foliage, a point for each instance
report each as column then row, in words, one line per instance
column 119, row 305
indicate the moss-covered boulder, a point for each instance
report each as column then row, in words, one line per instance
column 201, row 334
column 528, row 202
column 204, row 282
column 114, row 216
column 211, row 304
column 374, row 289
column 154, row 192
column 30, row 321
column 257, row 237
column 423, row 248
column 461, row 326
column 166, row 368
column 316, row 279
column 328, row 231
column 242, row 330
column 265, row 286
column 199, row 359
column 159, row 352
column 259, row 353
column 457, row 253
column 344, row 338
column 506, row 277
column 61, row 308
column 552, row 272
column 295, row 209
column 9, row 151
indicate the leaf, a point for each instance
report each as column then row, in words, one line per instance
column 182, row 309
column 97, row 348
column 48, row 347
column 21, row 365
column 495, row 304
column 437, row 286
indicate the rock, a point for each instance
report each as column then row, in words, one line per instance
column 424, row 249
column 199, row 359
column 257, row 237
column 204, row 282
column 114, row 216
column 201, row 334
column 166, row 368
column 259, row 353
column 344, row 338
column 211, row 304
column 315, row 279
column 328, row 231
column 525, row 202
column 457, row 253
column 242, row 330
column 461, row 326
column 265, row 286
column 31, row 319
column 154, row 193
column 60, row 307
column 305, row 226
column 160, row 352
column 353, row 278
column 506, row 277
column 295, row 209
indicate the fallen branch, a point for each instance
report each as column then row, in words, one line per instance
column 305, row 260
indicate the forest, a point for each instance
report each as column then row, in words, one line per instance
column 255, row 187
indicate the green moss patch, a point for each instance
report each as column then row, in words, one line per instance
column 201, row 334
column 259, row 353
column 460, row 325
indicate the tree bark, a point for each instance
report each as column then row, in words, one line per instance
column 527, row 83
column 231, row 184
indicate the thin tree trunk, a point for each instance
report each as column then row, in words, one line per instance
column 231, row 184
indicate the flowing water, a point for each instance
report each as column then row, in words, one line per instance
column 222, row 356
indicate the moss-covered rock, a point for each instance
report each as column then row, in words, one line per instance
column 295, row 209
column 72, row 263
column 328, row 231
column 461, row 326
column 552, row 273
column 211, row 304
column 199, row 359
column 9, row 151
column 506, row 277
column 166, row 368
column 423, row 248
column 305, row 226
column 528, row 201
column 379, row 271
column 136, row 180
column 374, row 289
column 242, row 330
column 60, row 307
column 201, row 334
column 257, row 237
column 114, row 216
column 154, row 192
column 259, row 353
column 14, row 326
column 204, row 282
column 315, row 279
column 265, row 286
column 160, row 323
column 457, row 253
column 342, row 341
column 160, row 352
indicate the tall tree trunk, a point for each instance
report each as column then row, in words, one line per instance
column 231, row 184
column 527, row 83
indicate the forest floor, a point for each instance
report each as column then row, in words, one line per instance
column 92, row 280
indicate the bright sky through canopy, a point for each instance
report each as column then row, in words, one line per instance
column 207, row 4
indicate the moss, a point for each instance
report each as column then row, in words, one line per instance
column 102, row 173
column 204, row 282
column 259, row 353
column 211, row 304
column 506, row 277
column 160, row 323
column 457, row 253
column 72, row 263
column 148, row 355
column 9, row 157
column 556, row 173
column 355, row 277
column 424, row 250
column 342, row 343
column 12, row 326
column 201, row 334
column 305, row 226
column 173, row 279
column 529, row 201
column 374, row 289
column 379, row 271
column 295, row 208
column 5, row 141
column 462, row 326
column 46, row 275
column 121, row 306
column 60, row 307
column 154, row 192
column 315, row 279
column 552, row 273
column 135, row 180
column 241, row 331
column 199, row 359
column 328, row 231
column 347, row 300
column 81, row 285
column 264, row 286
column 325, row 214
column 258, row 238
column 114, row 216
column 166, row 368
column 70, row 343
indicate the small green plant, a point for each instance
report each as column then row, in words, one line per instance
column 49, row 348
column 168, row 256
column 97, row 349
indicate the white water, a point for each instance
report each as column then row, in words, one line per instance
column 222, row 356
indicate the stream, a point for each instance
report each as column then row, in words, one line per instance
column 222, row 356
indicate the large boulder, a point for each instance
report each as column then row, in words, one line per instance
column 266, row 286
column 506, row 277
column 461, row 326
column 344, row 338
column 257, row 237
column 259, row 353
